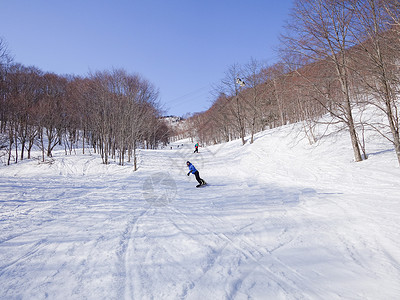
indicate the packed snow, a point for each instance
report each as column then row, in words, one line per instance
column 279, row 219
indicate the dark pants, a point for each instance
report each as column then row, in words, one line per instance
column 196, row 150
column 199, row 180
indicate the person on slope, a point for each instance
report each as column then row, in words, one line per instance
column 193, row 170
column 196, row 148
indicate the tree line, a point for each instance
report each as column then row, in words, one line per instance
column 337, row 58
column 112, row 112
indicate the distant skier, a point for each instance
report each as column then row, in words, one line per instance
column 196, row 148
column 193, row 170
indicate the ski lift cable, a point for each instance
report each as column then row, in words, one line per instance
column 187, row 101
column 184, row 98
column 202, row 89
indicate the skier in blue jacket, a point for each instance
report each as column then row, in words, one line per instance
column 193, row 170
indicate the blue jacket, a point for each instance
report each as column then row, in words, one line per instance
column 192, row 169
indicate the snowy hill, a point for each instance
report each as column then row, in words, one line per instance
column 178, row 125
column 280, row 219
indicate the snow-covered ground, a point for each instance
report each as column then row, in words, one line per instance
column 280, row 219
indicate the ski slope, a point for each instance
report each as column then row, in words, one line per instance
column 280, row 219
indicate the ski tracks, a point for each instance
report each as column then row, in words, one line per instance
column 124, row 274
column 237, row 263
column 234, row 243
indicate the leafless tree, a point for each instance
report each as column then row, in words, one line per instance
column 392, row 8
column 277, row 86
column 255, row 93
column 5, row 61
column 320, row 31
column 23, row 98
column 123, row 114
column 376, row 58
column 112, row 111
column 232, row 85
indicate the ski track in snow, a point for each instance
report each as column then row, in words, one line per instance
column 273, row 223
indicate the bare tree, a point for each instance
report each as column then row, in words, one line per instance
column 123, row 114
column 320, row 31
column 52, row 111
column 24, row 96
column 255, row 93
column 392, row 8
column 5, row 61
column 376, row 58
column 112, row 111
column 277, row 86
column 232, row 85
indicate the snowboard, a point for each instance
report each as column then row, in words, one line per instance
column 203, row 185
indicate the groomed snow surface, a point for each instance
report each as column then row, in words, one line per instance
column 280, row 219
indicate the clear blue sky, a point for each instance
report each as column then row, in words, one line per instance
column 182, row 46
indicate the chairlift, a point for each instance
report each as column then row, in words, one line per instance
column 240, row 82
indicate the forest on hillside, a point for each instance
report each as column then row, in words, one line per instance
column 337, row 57
column 112, row 112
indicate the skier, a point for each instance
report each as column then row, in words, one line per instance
column 193, row 170
column 196, row 148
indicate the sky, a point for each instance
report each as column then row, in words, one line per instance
column 183, row 47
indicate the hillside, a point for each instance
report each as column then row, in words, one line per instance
column 280, row 219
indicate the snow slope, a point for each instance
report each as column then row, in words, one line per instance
column 280, row 219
